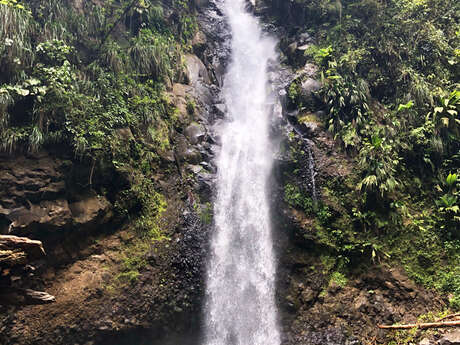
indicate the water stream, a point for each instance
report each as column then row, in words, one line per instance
column 240, row 303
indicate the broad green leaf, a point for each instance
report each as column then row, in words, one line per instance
column 406, row 106
column 33, row 82
column 22, row 92
column 451, row 179
column 438, row 110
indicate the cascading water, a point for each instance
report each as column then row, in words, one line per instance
column 240, row 307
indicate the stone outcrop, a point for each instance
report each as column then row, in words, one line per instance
column 451, row 338
column 286, row 11
column 201, row 3
column 90, row 210
column 35, row 198
column 196, row 70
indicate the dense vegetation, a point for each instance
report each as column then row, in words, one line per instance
column 390, row 76
column 89, row 78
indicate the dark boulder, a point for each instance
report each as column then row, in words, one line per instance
column 195, row 133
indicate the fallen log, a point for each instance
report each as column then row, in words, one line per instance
column 33, row 248
column 20, row 297
column 16, row 251
column 423, row 325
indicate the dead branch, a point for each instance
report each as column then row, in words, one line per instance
column 451, row 316
column 423, row 325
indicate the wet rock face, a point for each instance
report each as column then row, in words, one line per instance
column 329, row 336
column 46, row 215
column 201, row 3
column 90, row 209
column 215, row 29
column 308, row 88
column 163, row 304
column 196, row 70
column 195, row 133
column 36, row 201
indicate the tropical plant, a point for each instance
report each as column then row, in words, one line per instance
column 16, row 51
column 346, row 100
column 449, row 205
column 379, row 161
column 321, row 55
column 155, row 56
column 446, row 118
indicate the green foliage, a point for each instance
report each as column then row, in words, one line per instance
column 5, row 101
column 452, row 180
column 347, row 103
column 13, row 4
column 295, row 198
column 82, row 104
column 153, row 205
column 128, row 276
column 368, row 70
column 155, row 56
column 339, row 279
column 16, row 52
column 54, row 52
column 395, row 108
column 323, row 213
column 133, row 260
column 450, row 283
column 404, row 337
column 380, row 162
column 294, row 93
column 406, row 106
column 449, row 206
column 187, row 27
column 393, row 103
column 446, row 119
column 320, row 55
column 191, row 106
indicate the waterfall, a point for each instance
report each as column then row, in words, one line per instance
column 312, row 172
column 240, row 297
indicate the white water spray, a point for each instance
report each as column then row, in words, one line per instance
column 240, row 305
